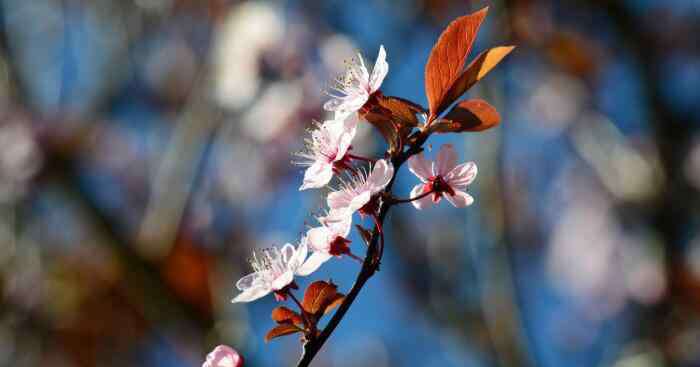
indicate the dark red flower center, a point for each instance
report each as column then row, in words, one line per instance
column 438, row 186
column 339, row 246
column 282, row 294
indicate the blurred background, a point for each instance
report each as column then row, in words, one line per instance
column 145, row 150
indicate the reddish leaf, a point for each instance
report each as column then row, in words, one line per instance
column 339, row 298
column 403, row 111
column 280, row 330
column 471, row 115
column 478, row 68
column 448, row 56
column 319, row 295
column 380, row 118
column 283, row 314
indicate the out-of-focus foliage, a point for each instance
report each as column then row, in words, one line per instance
column 145, row 149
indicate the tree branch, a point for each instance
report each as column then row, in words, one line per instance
column 371, row 263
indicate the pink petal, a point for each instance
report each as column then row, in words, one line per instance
column 359, row 201
column 313, row 263
column 446, row 160
column 381, row 68
column 381, row 175
column 422, row 202
column 338, row 199
column 462, row 175
column 317, row 175
column 420, row 167
column 223, row 356
column 460, row 199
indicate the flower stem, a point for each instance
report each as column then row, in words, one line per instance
column 402, row 201
column 353, row 256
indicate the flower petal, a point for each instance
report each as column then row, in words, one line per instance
column 287, row 252
column 446, row 160
column 313, row 263
column 460, row 199
column 462, row 175
column 421, row 203
column 300, row 254
column 318, row 238
column 381, row 68
column 420, row 167
column 283, row 280
column 247, row 281
column 223, row 356
column 381, row 175
column 359, row 201
column 319, row 174
column 338, row 199
column 251, row 294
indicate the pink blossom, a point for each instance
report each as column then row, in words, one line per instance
column 357, row 193
column 357, row 85
column 443, row 178
column 274, row 271
column 326, row 150
column 327, row 240
column 223, row 356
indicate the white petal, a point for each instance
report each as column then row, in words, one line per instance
column 251, row 294
column 359, row 201
column 313, row 263
column 381, row 68
column 462, row 175
column 421, row 203
column 300, row 255
column 288, row 252
column 460, row 199
column 381, row 175
column 283, row 280
column 319, row 174
column 318, row 238
column 248, row 281
column 446, row 160
column 420, row 167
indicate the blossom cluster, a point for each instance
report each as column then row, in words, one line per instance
column 363, row 185
column 328, row 154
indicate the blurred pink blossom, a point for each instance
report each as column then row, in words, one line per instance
column 223, row 356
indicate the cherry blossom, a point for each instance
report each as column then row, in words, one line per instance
column 357, row 194
column 327, row 240
column 223, row 356
column 274, row 271
column 327, row 150
column 357, row 85
column 442, row 178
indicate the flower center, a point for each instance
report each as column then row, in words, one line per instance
column 339, row 246
column 438, row 186
column 371, row 208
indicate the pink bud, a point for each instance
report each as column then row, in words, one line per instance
column 223, row 356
